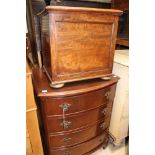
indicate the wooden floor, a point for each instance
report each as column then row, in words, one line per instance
column 113, row 150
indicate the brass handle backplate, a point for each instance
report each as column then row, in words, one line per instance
column 102, row 126
column 66, row 153
column 66, row 139
column 104, row 111
column 65, row 124
column 65, row 106
column 107, row 95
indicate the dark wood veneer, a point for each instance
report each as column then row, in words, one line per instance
column 77, row 121
column 78, row 136
column 77, row 103
column 70, row 89
column 83, row 148
column 90, row 112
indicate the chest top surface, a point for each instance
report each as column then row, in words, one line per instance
column 42, row 88
column 65, row 8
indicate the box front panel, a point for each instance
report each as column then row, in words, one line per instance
column 82, row 45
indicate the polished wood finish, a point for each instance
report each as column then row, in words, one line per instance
column 76, row 121
column 78, row 43
column 83, row 148
column 34, row 144
column 83, row 9
column 78, row 103
column 76, row 116
column 44, row 90
column 38, row 5
column 78, row 136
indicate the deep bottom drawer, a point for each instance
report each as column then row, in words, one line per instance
column 82, row 148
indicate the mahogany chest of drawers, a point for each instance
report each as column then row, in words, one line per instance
column 75, row 117
column 78, row 43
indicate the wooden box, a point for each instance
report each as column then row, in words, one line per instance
column 78, row 43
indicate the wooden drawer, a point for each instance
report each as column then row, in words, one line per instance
column 82, row 148
column 76, row 137
column 79, row 103
column 76, row 121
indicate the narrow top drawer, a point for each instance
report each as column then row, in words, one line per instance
column 79, row 103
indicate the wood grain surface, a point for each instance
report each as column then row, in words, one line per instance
column 87, row 116
column 82, row 148
column 34, row 144
column 42, row 88
column 79, row 43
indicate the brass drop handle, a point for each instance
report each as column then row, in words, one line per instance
column 65, row 124
column 104, row 111
column 102, row 126
column 66, row 153
column 107, row 95
column 65, row 106
column 66, row 139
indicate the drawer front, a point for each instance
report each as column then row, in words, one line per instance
column 82, row 148
column 76, row 121
column 56, row 106
column 78, row 136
